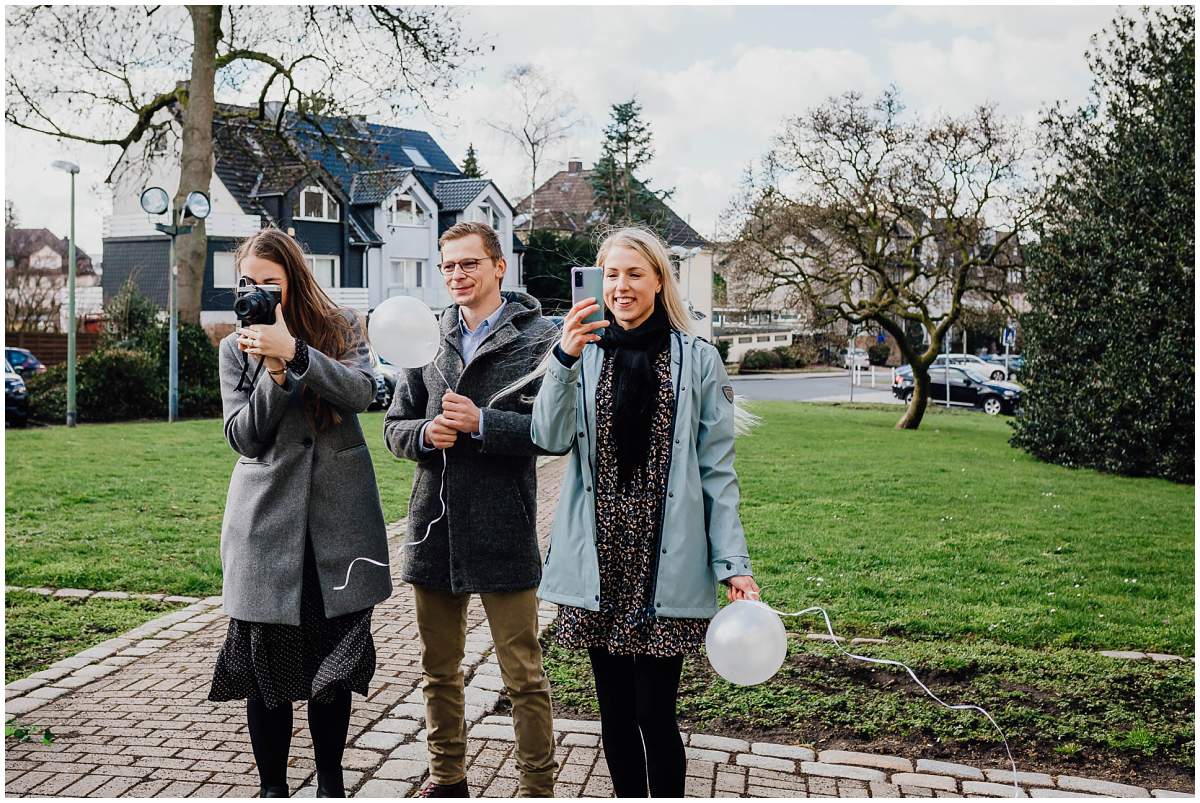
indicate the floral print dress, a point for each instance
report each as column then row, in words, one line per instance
column 626, row 531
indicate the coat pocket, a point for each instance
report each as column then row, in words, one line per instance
column 250, row 461
column 351, row 449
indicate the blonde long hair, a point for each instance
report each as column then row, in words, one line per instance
column 651, row 248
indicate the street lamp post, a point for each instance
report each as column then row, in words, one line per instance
column 72, row 169
column 155, row 201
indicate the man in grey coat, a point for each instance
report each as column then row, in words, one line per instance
column 476, row 450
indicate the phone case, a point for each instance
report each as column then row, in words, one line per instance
column 588, row 283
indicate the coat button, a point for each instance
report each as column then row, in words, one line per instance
column 728, row 566
column 671, row 494
column 307, row 442
column 677, row 440
column 597, row 598
column 588, row 489
column 658, row 604
column 580, row 434
column 664, row 551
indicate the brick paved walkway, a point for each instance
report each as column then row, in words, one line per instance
column 131, row 719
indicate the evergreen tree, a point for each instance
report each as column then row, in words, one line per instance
column 471, row 168
column 1109, row 344
column 621, row 197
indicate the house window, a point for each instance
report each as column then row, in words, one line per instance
column 326, row 269
column 745, row 340
column 486, row 213
column 407, row 273
column 314, row 203
column 780, row 337
column 415, row 157
column 224, row 271
column 405, row 211
column 45, row 260
column 763, row 338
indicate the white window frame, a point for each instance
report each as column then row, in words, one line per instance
column 414, row 268
column 486, row 212
column 418, row 216
column 220, row 255
column 328, row 201
column 311, row 259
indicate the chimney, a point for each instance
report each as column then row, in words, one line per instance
column 575, row 165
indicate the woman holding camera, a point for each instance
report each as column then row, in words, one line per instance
column 647, row 522
column 302, row 504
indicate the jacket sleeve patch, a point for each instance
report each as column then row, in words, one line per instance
column 728, row 391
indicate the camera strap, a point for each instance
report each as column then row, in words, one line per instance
column 246, row 370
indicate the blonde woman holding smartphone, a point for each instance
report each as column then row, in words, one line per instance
column 647, row 521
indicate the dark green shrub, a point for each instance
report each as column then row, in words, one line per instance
column 804, row 353
column 760, row 360
column 723, row 350
column 878, row 353
column 787, row 360
column 1110, row 340
column 48, row 395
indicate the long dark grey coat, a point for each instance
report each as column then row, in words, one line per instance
column 488, row 540
column 292, row 480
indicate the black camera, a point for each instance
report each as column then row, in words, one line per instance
column 255, row 303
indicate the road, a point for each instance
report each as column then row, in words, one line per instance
column 824, row 387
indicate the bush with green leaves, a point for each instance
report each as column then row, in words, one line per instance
column 760, row 360
column 878, row 353
column 804, row 353
column 127, row 376
column 723, row 350
column 1110, row 339
column 787, row 359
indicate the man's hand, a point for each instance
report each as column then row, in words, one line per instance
column 460, row 413
column 439, row 434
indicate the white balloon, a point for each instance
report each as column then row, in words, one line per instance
column 746, row 642
column 404, row 332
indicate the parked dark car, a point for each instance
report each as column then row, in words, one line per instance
column 16, row 398
column 23, row 361
column 968, row 388
column 386, row 376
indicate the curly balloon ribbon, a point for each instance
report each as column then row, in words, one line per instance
column 441, row 496
column 1017, row 792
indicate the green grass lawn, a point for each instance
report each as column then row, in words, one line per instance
column 40, row 630
column 950, row 532
column 135, row 507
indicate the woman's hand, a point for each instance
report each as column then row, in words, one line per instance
column 577, row 334
column 269, row 340
column 742, row 586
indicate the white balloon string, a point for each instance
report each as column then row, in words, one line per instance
column 889, row 662
column 441, row 497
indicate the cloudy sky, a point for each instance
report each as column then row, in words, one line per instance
column 714, row 83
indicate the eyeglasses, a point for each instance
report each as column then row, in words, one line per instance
column 467, row 265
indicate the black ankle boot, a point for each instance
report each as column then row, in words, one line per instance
column 273, row 791
column 330, row 785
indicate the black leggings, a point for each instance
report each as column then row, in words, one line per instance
column 271, row 738
column 637, row 696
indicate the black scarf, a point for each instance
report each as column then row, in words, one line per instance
column 635, row 385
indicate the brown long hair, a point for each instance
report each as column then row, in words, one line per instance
column 311, row 315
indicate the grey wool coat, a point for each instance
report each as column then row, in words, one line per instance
column 487, row 541
column 292, row 481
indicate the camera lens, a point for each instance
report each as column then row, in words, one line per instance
column 579, row 280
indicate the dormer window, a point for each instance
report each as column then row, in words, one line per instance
column 486, row 213
column 405, row 211
column 415, row 156
column 314, row 203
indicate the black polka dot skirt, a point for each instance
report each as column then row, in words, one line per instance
column 280, row 664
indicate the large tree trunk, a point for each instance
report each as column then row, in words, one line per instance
column 920, row 400
column 197, row 156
